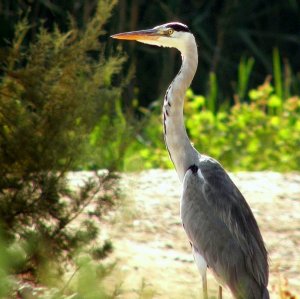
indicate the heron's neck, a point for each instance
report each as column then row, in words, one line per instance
column 182, row 153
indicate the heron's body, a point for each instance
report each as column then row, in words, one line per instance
column 224, row 233
column 219, row 223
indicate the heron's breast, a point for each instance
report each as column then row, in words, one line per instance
column 200, row 261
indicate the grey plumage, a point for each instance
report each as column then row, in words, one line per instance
column 229, row 238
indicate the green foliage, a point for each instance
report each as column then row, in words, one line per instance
column 149, row 150
column 53, row 92
column 244, row 73
column 7, row 259
column 213, row 93
column 87, row 280
column 255, row 136
column 277, row 73
column 84, row 279
column 107, row 147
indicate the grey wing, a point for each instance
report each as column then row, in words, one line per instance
column 221, row 226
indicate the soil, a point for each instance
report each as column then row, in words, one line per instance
column 152, row 254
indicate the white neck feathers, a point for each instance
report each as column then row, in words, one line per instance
column 180, row 149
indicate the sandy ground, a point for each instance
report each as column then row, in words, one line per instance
column 152, row 252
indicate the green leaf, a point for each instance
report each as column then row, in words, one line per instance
column 274, row 101
column 277, row 73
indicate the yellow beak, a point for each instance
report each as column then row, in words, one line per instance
column 150, row 34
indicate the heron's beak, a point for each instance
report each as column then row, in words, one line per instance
column 141, row 35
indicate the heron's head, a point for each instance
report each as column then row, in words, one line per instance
column 172, row 35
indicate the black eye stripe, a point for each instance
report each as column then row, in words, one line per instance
column 178, row 27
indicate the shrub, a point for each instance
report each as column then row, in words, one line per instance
column 52, row 94
column 260, row 135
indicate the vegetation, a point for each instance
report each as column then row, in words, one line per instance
column 55, row 89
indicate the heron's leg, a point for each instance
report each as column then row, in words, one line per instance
column 204, row 286
column 220, row 292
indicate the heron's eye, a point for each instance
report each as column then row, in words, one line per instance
column 170, row 31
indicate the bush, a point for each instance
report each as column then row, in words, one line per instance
column 260, row 135
column 52, row 94
column 149, row 149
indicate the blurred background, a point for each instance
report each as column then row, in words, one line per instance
column 73, row 99
column 248, row 59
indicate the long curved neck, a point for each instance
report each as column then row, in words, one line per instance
column 182, row 153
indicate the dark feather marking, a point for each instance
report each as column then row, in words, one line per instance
column 167, row 92
column 165, row 134
column 178, row 27
column 193, row 168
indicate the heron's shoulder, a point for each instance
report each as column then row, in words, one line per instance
column 206, row 171
column 206, row 162
column 214, row 173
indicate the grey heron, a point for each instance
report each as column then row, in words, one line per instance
column 219, row 223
